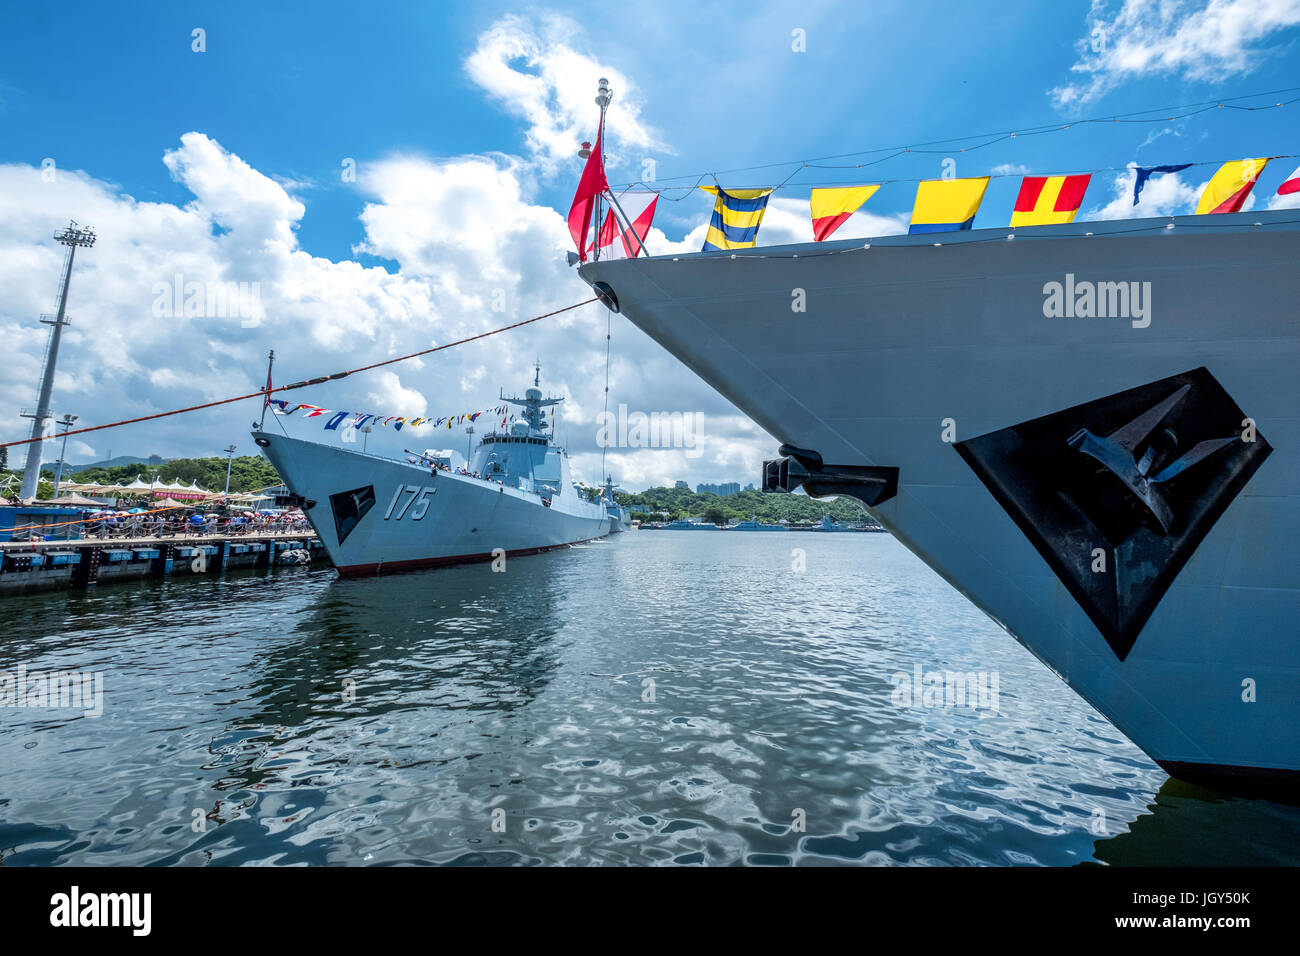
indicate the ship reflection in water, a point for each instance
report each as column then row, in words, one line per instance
column 675, row 699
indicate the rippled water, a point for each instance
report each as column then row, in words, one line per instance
column 523, row 699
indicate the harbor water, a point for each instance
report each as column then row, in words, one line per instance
column 657, row 698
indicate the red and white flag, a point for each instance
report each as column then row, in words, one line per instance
column 591, row 185
column 1292, row 184
column 639, row 207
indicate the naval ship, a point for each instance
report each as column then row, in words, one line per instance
column 620, row 518
column 375, row 514
column 1089, row 430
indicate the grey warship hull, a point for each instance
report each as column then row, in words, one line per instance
column 1113, row 476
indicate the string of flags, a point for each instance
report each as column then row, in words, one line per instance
column 941, row 205
column 346, row 420
column 950, row 205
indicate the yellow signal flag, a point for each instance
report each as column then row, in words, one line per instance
column 831, row 207
column 1228, row 188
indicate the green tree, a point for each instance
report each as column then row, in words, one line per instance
column 715, row 515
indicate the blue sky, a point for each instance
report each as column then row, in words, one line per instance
column 286, row 93
column 295, row 89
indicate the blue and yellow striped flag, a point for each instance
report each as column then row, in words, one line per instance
column 736, row 216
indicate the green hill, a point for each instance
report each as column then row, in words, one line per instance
column 769, row 507
column 247, row 473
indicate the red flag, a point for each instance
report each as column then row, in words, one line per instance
column 591, row 185
column 640, row 207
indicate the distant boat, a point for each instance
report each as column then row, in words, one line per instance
column 619, row 519
column 686, row 524
column 753, row 524
column 830, row 524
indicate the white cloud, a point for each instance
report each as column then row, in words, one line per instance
column 460, row 231
column 1010, row 169
column 789, row 221
column 537, row 76
column 1289, row 201
column 1163, row 195
column 474, row 249
column 1194, row 40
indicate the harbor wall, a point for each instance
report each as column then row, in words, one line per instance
column 55, row 565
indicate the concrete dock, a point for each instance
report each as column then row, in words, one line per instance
column 51, row 565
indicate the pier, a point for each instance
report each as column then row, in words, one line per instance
column 53, row 565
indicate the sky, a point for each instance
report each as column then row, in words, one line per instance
column 394, row 175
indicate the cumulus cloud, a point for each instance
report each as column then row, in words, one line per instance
column 1208, row 41
column 788, row 221
column 1162, row 195
column 473, row 248
column 534, row 72
column 1288, row 201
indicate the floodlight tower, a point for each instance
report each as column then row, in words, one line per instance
column 72, row 237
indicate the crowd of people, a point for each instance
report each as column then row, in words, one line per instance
column 184, row 523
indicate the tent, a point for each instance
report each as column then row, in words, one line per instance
column 80, row 501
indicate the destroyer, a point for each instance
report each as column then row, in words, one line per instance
column 377, row 514
column 1123, row 497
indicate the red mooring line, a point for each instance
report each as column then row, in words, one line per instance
column 310, row 381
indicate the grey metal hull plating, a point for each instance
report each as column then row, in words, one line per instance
column 904, row 335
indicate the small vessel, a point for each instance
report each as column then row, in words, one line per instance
column 830, row 524
column 753, row 524
column 619, row 519
column 688, row 524
column 375, row 514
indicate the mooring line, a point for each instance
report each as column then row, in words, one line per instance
column 311, row 381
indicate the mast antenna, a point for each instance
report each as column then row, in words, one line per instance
column 266, row 401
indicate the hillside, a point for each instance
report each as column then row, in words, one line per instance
column 247, row 473
column 770, row 507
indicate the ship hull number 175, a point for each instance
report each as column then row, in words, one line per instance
column 413, row 494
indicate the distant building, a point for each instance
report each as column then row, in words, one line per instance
column 682, row 484
column 750, row 487
column 726, row 488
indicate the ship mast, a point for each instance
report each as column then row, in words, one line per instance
column 532, row 403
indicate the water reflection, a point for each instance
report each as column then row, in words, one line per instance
column 1189, row 825
column 291, row 718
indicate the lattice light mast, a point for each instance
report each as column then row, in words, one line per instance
column 72, row 237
